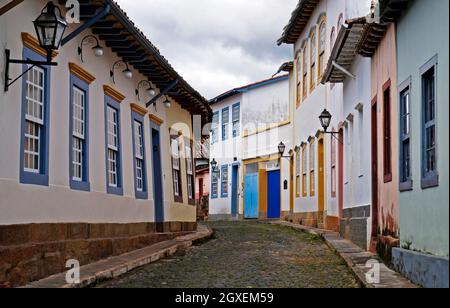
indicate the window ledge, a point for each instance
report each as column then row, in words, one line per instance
column 141, row 195
column 430, row 181
column 115, row 191
column 406, row 186
column 34, row 179
column 81, row 186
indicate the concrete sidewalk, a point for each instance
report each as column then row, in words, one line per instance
column 356, row 258
column 116, row 266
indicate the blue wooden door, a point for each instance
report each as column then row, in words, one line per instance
column 157, row 177
column 234, row 191
column 273, row 194
column 251, row 196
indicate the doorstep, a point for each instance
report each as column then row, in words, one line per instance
column 355, row 258
column 116, row 266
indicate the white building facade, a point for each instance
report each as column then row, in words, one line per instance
column 81, row 150
column 248, row 125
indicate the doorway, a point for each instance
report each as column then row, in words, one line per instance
column 341, row 173
column 274, row 194
column 157, row 180
column 234, row 191
column 251, row 201
column 321, row 176
column 375, row 200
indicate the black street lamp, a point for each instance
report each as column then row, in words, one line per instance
column 282, row 149
column 214, row 168
column 325, row 120
column 50, row 27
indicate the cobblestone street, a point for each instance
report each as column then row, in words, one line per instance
column 246, row 255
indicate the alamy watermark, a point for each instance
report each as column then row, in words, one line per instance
column 73, row 274
column 373, row 275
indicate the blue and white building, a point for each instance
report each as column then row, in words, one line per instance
column 248, row 124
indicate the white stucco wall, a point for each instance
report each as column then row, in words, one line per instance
column 224, row 153
column 57, row 202
column 253, row 145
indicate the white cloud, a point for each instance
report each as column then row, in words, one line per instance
column 216, row 45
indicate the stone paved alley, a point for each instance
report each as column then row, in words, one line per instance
column 247, row 255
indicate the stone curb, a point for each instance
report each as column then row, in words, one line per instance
column 355, row 258
column 114, row 267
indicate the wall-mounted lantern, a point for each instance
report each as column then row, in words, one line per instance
column 127, row 73
column 282, row 150
column 214, row 169
column 325, row 120
column 97, row 49
column 50, row 27
column 167, row 103
column 150, row 90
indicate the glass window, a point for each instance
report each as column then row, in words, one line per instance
column 139, row 155
column 225, row 123
column 34, row 120
column 405, row 144
column 312, row 82
column 312, row 162
column 305, row 71
column 215, row 128
column 429, row 157
column 78, row 133
column 176, row 168
column 224, row 183
column 189, row 170
column 322, row 35
column 113, row 146
column 236, row 120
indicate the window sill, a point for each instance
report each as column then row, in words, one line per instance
column 387, row 178
column 80, row 186
column 406, row 186
column 34, row 179
column 141, row 195
column 118, row 191
column 430, row 181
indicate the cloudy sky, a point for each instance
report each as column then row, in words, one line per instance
column 216, row 45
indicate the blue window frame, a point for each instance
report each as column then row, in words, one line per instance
column 225, row 123
column 430, row 176
column 113, row 155
column 215, row 128
column 79, row 134
column 406, row 182
column 35, row 122
column 224, row 181
column 236, row 120
column 214, row 185
column 139, row 161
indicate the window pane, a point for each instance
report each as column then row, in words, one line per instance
column 138, row 140
column 77, row 159
column 32, row 147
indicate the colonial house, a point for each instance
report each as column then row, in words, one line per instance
column 96, row 155
column 248, row 124
column 349, row 75
column 309, row 30
column 423, row 96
